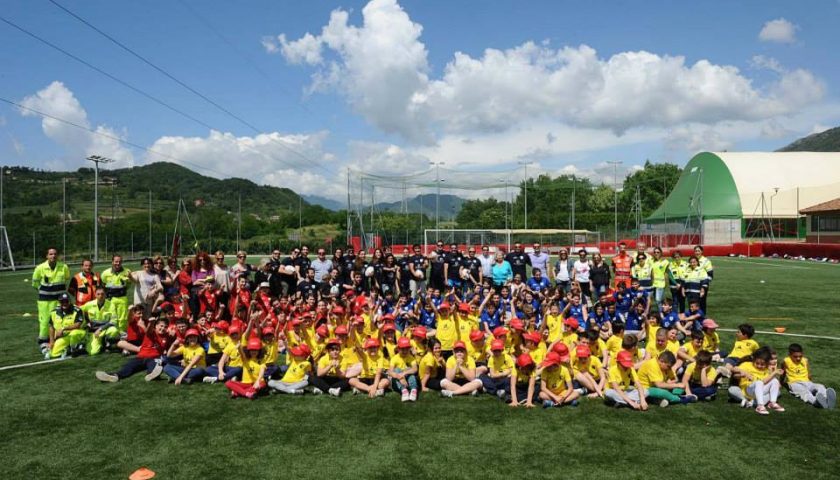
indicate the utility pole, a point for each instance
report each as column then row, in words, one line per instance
column 96, row 159
column 349, row 224
column 64, row 218
column 437, row 197
column 615, row 165
column 504, row 180
column 239, row 223
column 300, row 220
column 150, row 224
column 525, row 166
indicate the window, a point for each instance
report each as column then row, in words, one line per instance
column 825, row 223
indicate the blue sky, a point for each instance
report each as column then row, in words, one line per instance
column 390, row 87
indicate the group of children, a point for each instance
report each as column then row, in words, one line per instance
column 554, row 355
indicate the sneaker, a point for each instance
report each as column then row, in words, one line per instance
column 356, row 391
column 317, row 391
column 574, row 403
column 446, row 393
column 155, row 373
column 710, row 398
column 664, row 403
column 723, row 372
column 474, row 393
column 761, row 410
column 404, row 396
column 106, row 377
column 47, row 355
column 685, row 399
column 412, row 396
column 548, row 404
column 335, row 392
column 830, row 398
column 380, row 393
column 210, row 380
column 745, row 403
column 299, row 391
column 500, row 394
column 776, row 407
column 581, row 391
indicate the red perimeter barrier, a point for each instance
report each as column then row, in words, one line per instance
column 808, row 250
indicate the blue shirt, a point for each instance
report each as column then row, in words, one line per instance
column 492, row 321
column 502, row 273
column 669, row 320
column 634, row 321
column 697, row 324
column 623, row 302
column 427, row 319
column 576, row 311
column 538, row 285
column 599, row 320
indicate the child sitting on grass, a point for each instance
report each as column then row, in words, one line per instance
column 253, row 372
column 148, row 358
column 556, row 387
column 657, row 377
column 191, row 367
column 798, row 378
column 625, row 389
column 759, row 383
column 700, row 378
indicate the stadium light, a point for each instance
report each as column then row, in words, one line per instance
column 615, row 164
column 437, row 197
column 96, row 159
column 525, row 165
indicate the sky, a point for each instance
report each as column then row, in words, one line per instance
column 294, row 94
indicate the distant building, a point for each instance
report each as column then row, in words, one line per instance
column 823, row 222
column 198, row 202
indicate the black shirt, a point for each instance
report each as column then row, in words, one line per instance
column 518, row 261
column 454, row 260
column 405, row 272
column 303, row 263
column 307, row 288
column 437, row 263
column 473, row 264
column 419, row 262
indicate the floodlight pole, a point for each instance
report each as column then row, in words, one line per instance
column 96, row 159
column 772, row 234
column 437, row 197
column 525, row 166
column 615, row 165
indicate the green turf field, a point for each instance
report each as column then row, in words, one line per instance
column 59, row 422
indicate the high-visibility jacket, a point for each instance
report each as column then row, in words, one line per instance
column 50, row 282
column 706, row 265
column 116, row 283
column 643, row 273
column 676, row 269
column 660, row 272
column 63, row 319
column 98, row 315
column 622, row 265
column 694, row 280
column 84, row 286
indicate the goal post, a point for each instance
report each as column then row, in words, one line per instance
column 7, row 260
column 552, row 240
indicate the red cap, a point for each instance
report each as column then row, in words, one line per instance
column 459, row 345
column 551, row 358
column 349, row 293
column 464, row 307
column 234, row 329
column 334, row 341
column 323, row 331
column 389, row 327
column 338, row 310
column 254, row 343
column 301, row 350
column 476, row 336
column 403, row 342
column 709, row 323
column 419, row 332
column 500, row 331
column 572, row 323
column 358, row 320
column 222, row 326
column 524, row 360
column 388, row 317
column 583, row 351
column 296, row 322
column 372, row 343
column 445, row 306
column 497, row 345
column 267, row 331
column 517, row 324
column 191, row 333
column 341, row 330
column 532, row 337
column 625, row 359
column 560, row 348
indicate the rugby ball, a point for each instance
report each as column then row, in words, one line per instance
column 289, row 270
column 465, row 274
column 334, row 290
column 418, row 274
column 369, row 272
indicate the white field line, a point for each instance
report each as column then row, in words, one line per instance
column 32, row 364
column 763, row 264
column 763, row 332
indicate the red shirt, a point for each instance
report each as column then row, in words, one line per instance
column 184, row 281
column 153, row 345
column 133, row 330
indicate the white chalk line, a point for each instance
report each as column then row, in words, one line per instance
column 32, row 364
column 823, row 337
column 764, row 264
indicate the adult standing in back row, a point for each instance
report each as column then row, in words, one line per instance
column 50, row 279
column 518, row 261
column 582, row 267
column 539, row 259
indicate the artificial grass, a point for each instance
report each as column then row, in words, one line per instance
column 59, row 422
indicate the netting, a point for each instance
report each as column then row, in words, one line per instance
column 502, row 240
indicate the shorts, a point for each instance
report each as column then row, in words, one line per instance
column 366, row 381
column 453, row 282
column 732, row 361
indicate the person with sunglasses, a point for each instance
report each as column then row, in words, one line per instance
column 321, row 264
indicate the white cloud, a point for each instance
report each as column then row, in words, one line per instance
column 381, row 67
column 761, row 62
column 696, row 138
column 779, row 31
column 819, row 129
column 17, row 146
column 59, row 101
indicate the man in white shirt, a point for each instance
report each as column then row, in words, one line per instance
column 487, row 262
column 539, row 259
column 321, row 264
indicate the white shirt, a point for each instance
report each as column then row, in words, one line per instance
column 221, row 278
column 487, row 262
column 582, row 271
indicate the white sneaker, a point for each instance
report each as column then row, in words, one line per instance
column 744, row 403
column 404, row 396
column 356, row 391
column 500, row 393
column 47, row 355
column 474, row 393
column 412, row 396
column 723, row 372
column 299, row 391
column 155, row 373
column 106, row 377
column 830, row 398
column 664, row 403
column 380, row 393
column 210, row 380
column 317, row 391
column 446, row 393
column 335, row 392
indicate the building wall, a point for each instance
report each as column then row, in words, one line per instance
column 823, row 238
column 722, row 232
column 815, row 235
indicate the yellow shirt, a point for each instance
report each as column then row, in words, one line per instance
column 650, row 332
column 673, row 346
column 711, row 342
column 650, row 373
column 371, row 364
column 297, row 371
column 557, row 379
column 500, row 363
column 757, row 374
column 624, row 377
column 743, row 348
column 419, row 348
column 597, row 348
column 796, row 372
column 469, row 363
column 694, row 374
column 613, row 345
column 270, row 351
column 189, row 353
column 325, row 361
column 390, row 348
column 349, row 356
column 522, row 377
column 654, row 349
column 218, row 342
column 403, row 362
column 466, row 324
column 447, row 331
column 429, row 365
column 478, row 352
column 251, row 369
column 592, row 365
column 554, row 323
column 690, row 349
column 232, row 351
column 569, row 338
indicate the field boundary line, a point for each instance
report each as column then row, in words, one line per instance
column 784, row 334
column 32, row 364
column 764, row 264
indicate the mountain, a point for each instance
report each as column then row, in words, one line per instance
column 827, row 141
column 333, row 205
column 450, row 205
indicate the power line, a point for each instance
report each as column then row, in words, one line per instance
column 187, row 87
